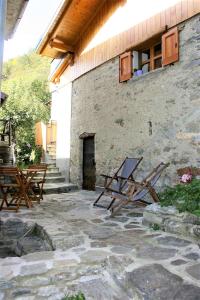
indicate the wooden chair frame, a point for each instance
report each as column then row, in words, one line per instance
column 116, row 177
column 135, row 189
column 16, row 185
column 37, row 184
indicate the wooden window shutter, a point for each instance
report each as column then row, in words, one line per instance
column 125, row 66
column 170, row 47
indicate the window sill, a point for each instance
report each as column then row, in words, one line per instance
column 136, row 78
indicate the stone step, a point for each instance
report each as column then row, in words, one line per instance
column 51, row 162
column 52, row 153
column 51, row 145
column 49, row 174
column 52, row 157
column 53, row 174
column 57, row 188
column 54, row 179
column 52, row 169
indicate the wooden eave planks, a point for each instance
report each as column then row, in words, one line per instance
column 68, row 28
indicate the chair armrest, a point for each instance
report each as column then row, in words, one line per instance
column 120, row 177
column 106, row 176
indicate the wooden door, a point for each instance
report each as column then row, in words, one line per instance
column 51, row 132
column 89, row 169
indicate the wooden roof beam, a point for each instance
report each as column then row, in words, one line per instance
column 60, row 46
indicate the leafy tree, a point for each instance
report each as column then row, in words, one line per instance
column 25, row 80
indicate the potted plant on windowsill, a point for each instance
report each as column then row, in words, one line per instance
column 137, row 72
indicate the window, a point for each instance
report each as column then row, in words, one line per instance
column 150, row 56
column 148, row 59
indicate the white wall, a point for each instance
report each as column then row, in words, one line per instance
column 61, row 112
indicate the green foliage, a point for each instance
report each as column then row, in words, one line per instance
column 155, row 227
column 25, row 80
column 185, row 197
column 79, row 296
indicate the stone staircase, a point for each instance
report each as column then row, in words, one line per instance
column 55, row 182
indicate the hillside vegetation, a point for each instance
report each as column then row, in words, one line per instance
column 25, row 80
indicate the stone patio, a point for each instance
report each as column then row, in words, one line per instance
column 105, row 258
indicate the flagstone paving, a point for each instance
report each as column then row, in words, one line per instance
column 105, row 258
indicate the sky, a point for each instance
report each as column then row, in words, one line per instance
column 31, row 28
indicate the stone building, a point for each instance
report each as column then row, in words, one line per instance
column 137, row 93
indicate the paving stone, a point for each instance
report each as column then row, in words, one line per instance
column 120, row 219
column 110, row 224
column 45, row 255
column 152, row 282
column 192, row 256
column 156, row 253
column 178, row 262
column 2, row 296
column 96, row 221
column 93, row 256
column 116, row 264
column 136, row 214
column 129, row 226
column 4, row 284
column 6, row 272
column 64, row 263
column 126, row 237
column 25, row 297
column 48, row 291
column 99, row 233
column 36, row 281
column 99, row 244
column 121, row 249
column 173, row 241
column 99, row 289
column 194, row 271
column 33, row 269
column 68, row 242
column 20, row 292
column 79, row 250
column 188, row 292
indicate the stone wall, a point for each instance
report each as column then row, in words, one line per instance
column 121, row 113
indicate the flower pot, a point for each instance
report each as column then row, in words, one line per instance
column 138, row 72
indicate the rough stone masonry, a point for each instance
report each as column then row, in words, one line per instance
column 120, row 113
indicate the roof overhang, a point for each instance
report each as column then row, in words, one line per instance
column 65, row 30
column 15, row 10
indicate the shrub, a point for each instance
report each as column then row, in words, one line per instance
column 185, row 197
column 155, row 227
column 78, row 296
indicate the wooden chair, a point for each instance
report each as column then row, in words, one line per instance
column 118, row 181
column 14, row 188
column 138, row 190
column 37, row 183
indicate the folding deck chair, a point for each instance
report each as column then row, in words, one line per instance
column 137, row 191
column 118, row 181
column 37, row 183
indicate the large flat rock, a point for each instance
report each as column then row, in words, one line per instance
column 154, row 282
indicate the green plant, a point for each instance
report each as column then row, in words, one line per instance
column 120, row 122
column 155, row 227
column 78, row 296
column 26, row 82
column 185, row 197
